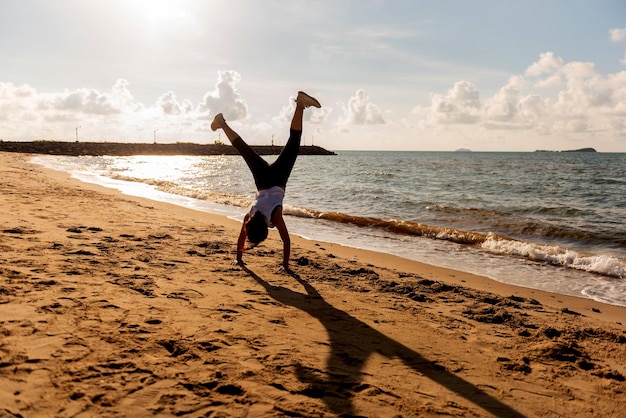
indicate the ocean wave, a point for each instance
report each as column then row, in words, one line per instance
column 487, row 241
column 528, row 227
column 491, row 242
column 609, row 181
column 556, row 210
column 406, row 227
column 555, row 255
column 542, row 230
column 376, row 173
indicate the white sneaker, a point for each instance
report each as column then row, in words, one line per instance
column 306, row 100
column 218, row 121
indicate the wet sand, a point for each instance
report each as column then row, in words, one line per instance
column 112, row 305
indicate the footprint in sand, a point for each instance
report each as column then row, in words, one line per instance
column 185, row 294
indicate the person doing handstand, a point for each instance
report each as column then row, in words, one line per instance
column 270, row 179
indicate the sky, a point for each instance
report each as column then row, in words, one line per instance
column 485, row 75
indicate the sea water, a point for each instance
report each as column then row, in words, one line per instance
column 553, row 221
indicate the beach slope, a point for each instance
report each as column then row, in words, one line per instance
column 112, row 305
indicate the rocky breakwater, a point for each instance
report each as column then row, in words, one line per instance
column 126, row 149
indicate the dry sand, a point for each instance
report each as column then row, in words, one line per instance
column 113, row 305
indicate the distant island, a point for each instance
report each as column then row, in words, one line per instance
column 571, row 150
column 463, row 150
column 127, row 149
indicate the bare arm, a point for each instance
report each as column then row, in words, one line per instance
column 241, row 242
column 279, row 223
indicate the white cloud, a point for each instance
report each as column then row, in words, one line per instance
column 618, row 34
column 169, row 105
column 587, row 103
column 581, row 101
column 83, row 101
column 509, row 109
column 9, row 91
column 361, row 111
column 591, row 102
column 123, row 97
column 504, row 106
column 225, row 98
column 86, row 102
column 113, row 114
column 16, row 100
column 571, row 100
column 551, row 82
column 460, row 105
column 547, row 64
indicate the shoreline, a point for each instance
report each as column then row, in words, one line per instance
column 517, row 271
column 385, row 260
column 114, row 303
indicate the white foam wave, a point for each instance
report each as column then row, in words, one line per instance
column 601, row 264
column 605, row 292
column 174, row 188
column 297, row 211
column 529, row 265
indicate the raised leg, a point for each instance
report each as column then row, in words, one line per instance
column 257, row 165
column 281, row 168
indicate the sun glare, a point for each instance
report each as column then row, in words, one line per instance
column 158, row 11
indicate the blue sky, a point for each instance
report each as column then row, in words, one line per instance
column 399, row 75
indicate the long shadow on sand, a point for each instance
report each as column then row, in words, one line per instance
column 351, row 343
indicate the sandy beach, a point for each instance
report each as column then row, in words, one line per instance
column 112, row 305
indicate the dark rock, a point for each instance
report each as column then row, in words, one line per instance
column 125, row 149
